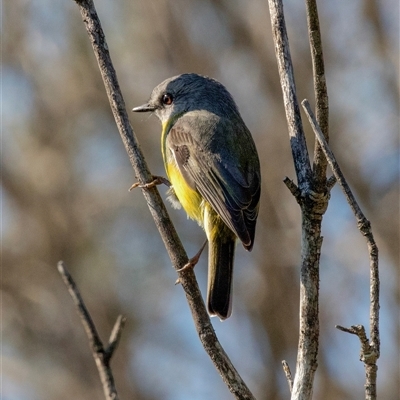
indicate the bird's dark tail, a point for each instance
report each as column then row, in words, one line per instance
column 221, row 251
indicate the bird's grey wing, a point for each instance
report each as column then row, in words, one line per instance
column 223, row 168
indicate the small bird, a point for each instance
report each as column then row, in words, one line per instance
column 213, row 166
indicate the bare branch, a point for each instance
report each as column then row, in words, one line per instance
column 296, row 132
column 369, row 356
column 363, row 223
column 312, row 206
column 370, row 353
column 321, row 93
column 100, row 355
column 157, row 208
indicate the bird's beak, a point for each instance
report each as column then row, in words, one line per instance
column 144, row 108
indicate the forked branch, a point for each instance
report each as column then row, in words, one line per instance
column 313, row 205
column 101, row 354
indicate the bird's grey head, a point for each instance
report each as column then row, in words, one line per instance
column 189, row 92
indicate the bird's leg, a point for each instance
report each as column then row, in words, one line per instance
column 157, row 180
column 192, row 261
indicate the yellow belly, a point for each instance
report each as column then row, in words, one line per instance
column 191, row 200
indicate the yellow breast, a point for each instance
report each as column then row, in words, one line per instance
column 190, row 199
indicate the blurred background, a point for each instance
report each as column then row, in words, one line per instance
column 65, row 180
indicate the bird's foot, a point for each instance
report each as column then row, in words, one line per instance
column 192, row 261
column 157, row 180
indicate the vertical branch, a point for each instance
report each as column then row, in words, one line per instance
column 313, row 205
column 370, row 350
column 286, row 75
column 321, row 94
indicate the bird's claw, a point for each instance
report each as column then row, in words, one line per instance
column 157, row 180
column 192, row 262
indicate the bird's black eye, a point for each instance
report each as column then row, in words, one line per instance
column 167, row 99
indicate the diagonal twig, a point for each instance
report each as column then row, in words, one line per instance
column 370, row 353
column 157, row 208
column 101, row 355
column 115, row 336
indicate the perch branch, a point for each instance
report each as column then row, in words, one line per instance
column 101, row 355
column 370, row 353
column 157, row 208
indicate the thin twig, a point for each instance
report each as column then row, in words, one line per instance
column 288, row 373
column 293, row 189
column 363, row 223
column 157, row 208
column 100, row 355
column 115, row 336
column 330, row 183
column 372, row 352
column 367, row 353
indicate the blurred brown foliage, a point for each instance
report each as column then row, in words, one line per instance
column 64, row 196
